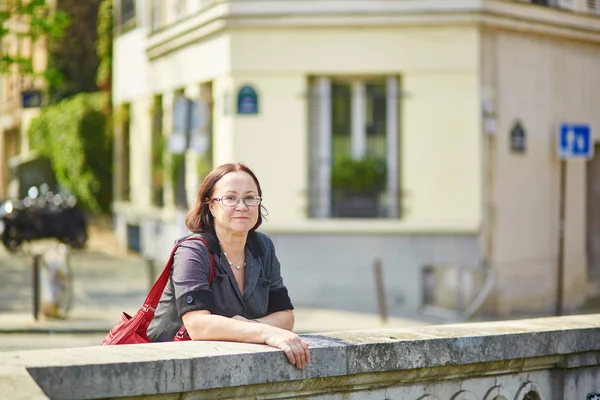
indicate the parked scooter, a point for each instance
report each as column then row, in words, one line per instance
column 42, row 214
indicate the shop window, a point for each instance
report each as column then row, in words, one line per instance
column 157, row 153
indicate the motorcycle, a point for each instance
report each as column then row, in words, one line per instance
column 41, row 216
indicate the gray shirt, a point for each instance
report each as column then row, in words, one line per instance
column 189, row 288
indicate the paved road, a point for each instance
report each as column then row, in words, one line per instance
column 99, row 280
column 37, row 341
column 104, row 285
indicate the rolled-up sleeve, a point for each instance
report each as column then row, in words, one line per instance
column 279, row 299
column 191, row 275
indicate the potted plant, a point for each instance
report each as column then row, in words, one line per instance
column 356, row 186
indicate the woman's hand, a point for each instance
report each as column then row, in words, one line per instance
column 292, row 345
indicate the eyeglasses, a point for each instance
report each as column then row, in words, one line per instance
column 232, row 201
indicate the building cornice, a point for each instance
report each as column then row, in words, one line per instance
column 496, row 14
column 531, row 18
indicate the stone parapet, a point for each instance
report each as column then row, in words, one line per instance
column 557, row 358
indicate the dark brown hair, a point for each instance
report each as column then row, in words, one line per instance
column 199, row 218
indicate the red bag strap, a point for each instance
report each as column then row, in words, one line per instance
column 159, row 286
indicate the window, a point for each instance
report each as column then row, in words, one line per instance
column 158, row 153
column 192, row 131
column 127, row 15
column 553, row 3
column 156, row 14
column 354, row 147
column 180, row 8
column 165, row 13
column 178, row 163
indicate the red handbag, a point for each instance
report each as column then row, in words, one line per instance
column 132, row 330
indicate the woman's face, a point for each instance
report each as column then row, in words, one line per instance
column 241, row 217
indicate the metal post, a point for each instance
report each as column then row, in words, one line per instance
column 380, row 289
column 561, row 238
column 459, row 290
column 36, row 285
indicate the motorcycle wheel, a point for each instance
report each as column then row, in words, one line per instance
column 11, row 243
column 79, row 239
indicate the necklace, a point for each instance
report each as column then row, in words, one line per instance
column 238, row 267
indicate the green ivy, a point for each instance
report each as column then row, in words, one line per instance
column 73, row 134
column 104, row 44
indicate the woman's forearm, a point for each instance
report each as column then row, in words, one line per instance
column 279, row 319
column 202, row 326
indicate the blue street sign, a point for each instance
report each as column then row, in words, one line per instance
column 575, row 141
column 247, row 101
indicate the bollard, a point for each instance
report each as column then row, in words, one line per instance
column 65, row 250
column 151, row 269
column 459, row 290
column 36, row 284
column 381, row 303
column 427, row 285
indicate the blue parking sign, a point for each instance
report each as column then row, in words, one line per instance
column 575, row 141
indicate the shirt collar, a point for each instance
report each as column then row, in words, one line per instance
column 212, row 240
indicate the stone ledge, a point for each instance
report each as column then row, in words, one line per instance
column 17, row 384
column 340, row 360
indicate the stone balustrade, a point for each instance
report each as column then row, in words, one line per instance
column 536, row 359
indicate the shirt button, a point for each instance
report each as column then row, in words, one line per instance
column 189, row 299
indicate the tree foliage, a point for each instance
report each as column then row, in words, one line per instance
column 33, row 20
column 74, row 55
column 73, row 135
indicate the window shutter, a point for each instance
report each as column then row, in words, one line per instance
column 392, row 100
column 319, row 99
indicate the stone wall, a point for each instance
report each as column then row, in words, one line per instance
column 537, row 359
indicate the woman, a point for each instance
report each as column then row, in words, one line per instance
column 247, row 300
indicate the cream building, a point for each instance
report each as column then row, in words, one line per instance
column 431, row 89
column 20, row 96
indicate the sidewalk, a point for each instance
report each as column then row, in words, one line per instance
column 105, row 284
column 308, row 320
column 20, row 332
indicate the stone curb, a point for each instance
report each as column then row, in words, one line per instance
column 42, row 330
